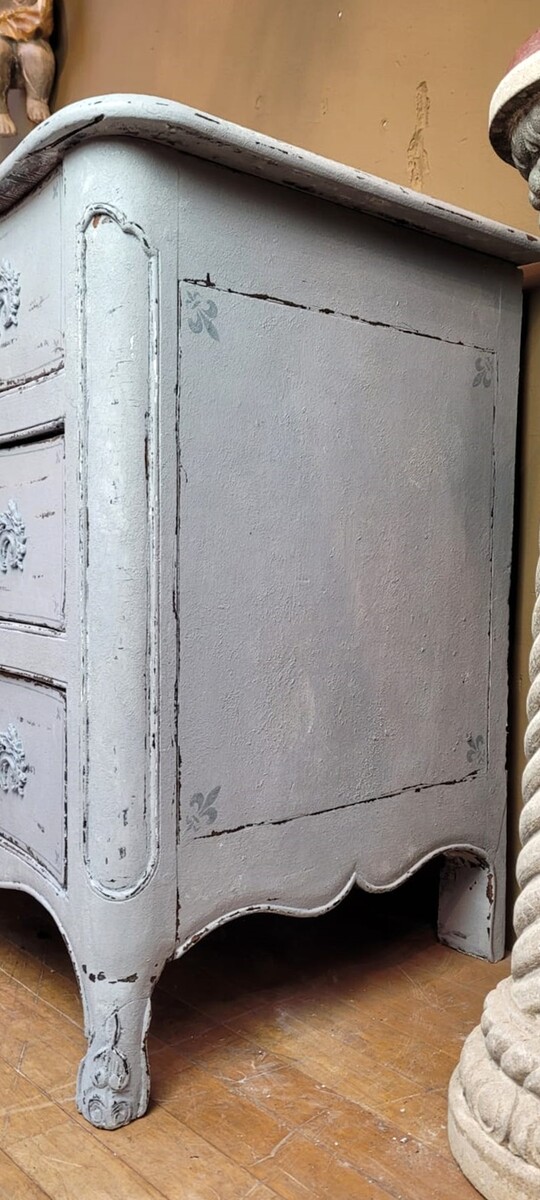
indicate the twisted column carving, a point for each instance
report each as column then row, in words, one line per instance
column 494, row 1117
column 494, row 1101
column 526, row 955
column 499, row 1071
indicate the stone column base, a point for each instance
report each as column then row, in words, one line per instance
column 494, row 1123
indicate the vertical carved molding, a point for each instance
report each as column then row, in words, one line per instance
column 119, row 474
column 494, row 1100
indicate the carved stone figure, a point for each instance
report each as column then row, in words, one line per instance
column 26, row 58
column 494, row 1118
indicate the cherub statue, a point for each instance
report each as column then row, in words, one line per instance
column 26, row 59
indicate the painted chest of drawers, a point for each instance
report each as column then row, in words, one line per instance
column 257, row 436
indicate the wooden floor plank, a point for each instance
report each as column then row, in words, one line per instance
column 300, row 1170
column 26, row 1110
column 67, row 1162
column 15, row 1184
column 290, row 1060
column 251, row 1086
column 182, row 1164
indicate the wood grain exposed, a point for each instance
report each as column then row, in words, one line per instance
column 291, row 1060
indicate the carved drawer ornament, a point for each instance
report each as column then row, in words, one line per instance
column 12, row 538
column 13, row 764
column 109, row 1076
column 10, row 295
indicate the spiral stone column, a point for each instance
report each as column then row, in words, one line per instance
column 494, row 1101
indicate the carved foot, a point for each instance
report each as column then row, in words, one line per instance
column 37, row 110
column 114, row 1083
column 7, row 126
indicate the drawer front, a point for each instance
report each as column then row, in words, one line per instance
column 32, row 771
column 31, row 338
column 32, row 533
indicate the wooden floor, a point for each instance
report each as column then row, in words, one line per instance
column 294, row 1060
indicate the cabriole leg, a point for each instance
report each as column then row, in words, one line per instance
column 114, row 1082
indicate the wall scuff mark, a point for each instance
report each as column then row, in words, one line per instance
column 417, row 155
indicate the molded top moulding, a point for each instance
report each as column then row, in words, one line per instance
column 154, row 119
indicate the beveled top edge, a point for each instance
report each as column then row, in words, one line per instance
column 155, row 119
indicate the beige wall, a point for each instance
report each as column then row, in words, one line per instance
column 397, row 88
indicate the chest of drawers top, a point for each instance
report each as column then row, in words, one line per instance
column 181, row 128
column 34, row 242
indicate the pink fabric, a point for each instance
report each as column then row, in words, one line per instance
column 531, row 46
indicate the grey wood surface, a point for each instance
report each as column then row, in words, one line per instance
column 32, row 347
column 157, row 120
column 268, row 605
column 32, row 789
column 32, row 498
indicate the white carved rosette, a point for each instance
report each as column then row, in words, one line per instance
column 10, row 295
column 13, row 764
column 494, row 1104
column 12, row 539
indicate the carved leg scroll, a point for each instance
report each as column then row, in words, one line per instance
column 114, row 1081
column 494, row 1103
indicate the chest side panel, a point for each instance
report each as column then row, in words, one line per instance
column 335, row 559
column 346, row 421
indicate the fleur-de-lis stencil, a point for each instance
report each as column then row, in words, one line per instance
column 203, row 315
column 203, row 810
column 476, row 753
column 484, row 371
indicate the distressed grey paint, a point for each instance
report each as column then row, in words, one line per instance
column 32, row 475
column 284, row 517
column 335, row 560
column 33, row 822
column 164, row 122
column 118, row 475
column 34, row 345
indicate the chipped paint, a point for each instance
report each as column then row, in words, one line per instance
column 417, row 155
